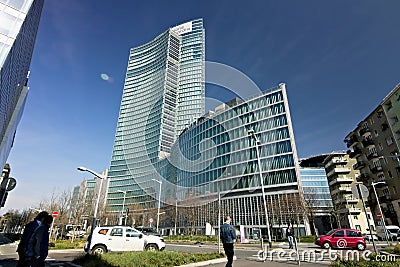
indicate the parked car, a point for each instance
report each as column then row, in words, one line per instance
column 368, row 237
column 122, row 238
column 67, row 231
column 147, row 230
column 391, row 232
column 342, row 238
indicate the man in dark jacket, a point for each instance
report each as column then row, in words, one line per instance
column 228, row 237
column 28, row 231
column 38, row 246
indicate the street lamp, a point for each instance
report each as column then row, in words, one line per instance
column 159, row 202
column 379, row 206
column 123, row 207
column 101, row 177
column 258, row 143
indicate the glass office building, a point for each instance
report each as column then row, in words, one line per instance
column 19, row 22
column 163, row 93
column 223, row 159
column 319, row 206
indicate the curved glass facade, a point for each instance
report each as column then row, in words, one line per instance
column 163, row 92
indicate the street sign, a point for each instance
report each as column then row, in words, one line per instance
column 8, row 183
column 379, row 215
column 54, row 214
column 364, row 191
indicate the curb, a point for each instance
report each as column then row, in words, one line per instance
column 206, row 263
column 70, row 264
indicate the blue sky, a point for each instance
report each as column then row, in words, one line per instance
column 338, row 59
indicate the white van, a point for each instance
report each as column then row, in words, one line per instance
column 391, row 232
column 122, row 238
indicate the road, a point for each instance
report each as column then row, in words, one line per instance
column 244, row 253
column 9, row 256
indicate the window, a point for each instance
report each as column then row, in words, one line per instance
column 394, row 190
column 103, row 231
column 131, row 233
column 355, row 217
column 116, row 232
column 376, row 133
column 351, row 233
column 358, row 227
column 390, row 174
column 339, row 233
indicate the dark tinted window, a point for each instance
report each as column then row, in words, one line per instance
column 339, row 233
column 351, row 233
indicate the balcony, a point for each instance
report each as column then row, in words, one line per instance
column 342, row 170
column 339, row 160
column 350, row 200
column 377, row 169
column 359, row 165
column 364, row 130
column 341, row 180
column 354, row 211
column 353, row 140
column 341, row 190
column 355, row 153
column 372, row 155
column 367, row 142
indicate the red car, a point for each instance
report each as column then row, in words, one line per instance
column 342, row 238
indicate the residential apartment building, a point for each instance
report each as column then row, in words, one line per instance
column 342, row 171
column 318, row 200
column 19, row 22
column 375, row 147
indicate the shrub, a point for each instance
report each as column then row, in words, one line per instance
column 144, row 259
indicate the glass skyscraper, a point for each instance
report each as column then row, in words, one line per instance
column 19, row 22
column 165, row 143
column 163, row 93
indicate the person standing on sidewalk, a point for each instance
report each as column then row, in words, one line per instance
column 38, row 246
column 290, row 236
column 228, row 237
column 26, row 235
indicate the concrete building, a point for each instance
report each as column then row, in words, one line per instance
column 19, row 22
column 375, row 147
column 319, row 206
column 341, row 171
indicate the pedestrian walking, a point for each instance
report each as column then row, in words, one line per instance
column 228, row 237
column 290, row 236
column 26, row 235
column 38, row 246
